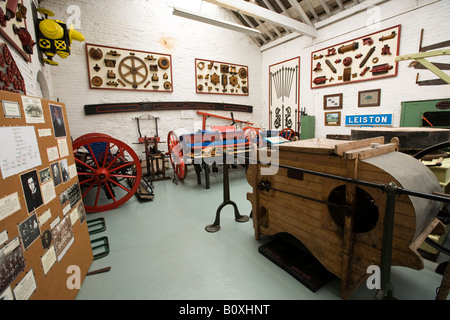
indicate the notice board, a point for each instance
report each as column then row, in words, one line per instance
column 45, row 249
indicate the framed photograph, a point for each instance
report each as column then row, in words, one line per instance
column 332, row 101
column 369, row 98
column 333, row 118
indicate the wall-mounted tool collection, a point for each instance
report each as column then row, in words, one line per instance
column 216, row 77
column 366, row 58
column 13, row 27
column 123, row 69
column 284, row 101
column 10, row 76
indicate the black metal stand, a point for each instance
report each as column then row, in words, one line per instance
column 386, row 292
column 226, row 200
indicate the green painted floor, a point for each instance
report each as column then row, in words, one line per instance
column 159, row 250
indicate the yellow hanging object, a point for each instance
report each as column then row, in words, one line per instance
column 50, row 29
column 63, row 54
column 75, row 35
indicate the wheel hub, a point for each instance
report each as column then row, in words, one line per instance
column 101, row 175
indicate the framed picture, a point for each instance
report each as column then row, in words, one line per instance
column 333, row 118
column 332, row 101
column 369, row 98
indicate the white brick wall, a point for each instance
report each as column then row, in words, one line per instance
column 413, row 16
column 150, row 26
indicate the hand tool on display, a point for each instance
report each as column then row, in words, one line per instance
column 441, row 44
column 381, row 68
column 420, row 57
column 206, row 115
column 350, row 47
column 368, row 41
column 388, row 37
column 363, row 62
column 421, row 63
column 318, row 67
column 329, row 64
column 433, row 82
column 320, row 80
column 440, row 65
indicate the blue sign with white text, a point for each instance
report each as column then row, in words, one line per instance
column 369, row 120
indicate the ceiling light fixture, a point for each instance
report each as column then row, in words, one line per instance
column 215, row 22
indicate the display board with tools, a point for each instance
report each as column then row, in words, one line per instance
column 366, row 58
column 124, row 69
column 14, row 28
column 217, row 77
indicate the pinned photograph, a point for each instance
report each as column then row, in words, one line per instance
column 59, row 128
column 29, row 231
column 31, row 190
column 56, row 173
column 33, row 110
column 12, row 263
column 64, row 170
column 45, row 175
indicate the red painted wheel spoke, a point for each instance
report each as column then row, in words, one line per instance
column 106, row 154
column 122, row 166
column 86, row 181
column 93, row 155
column 123, row 176
column 89, row 189
column 99, row 186
column 113, row 161
column 84, row 164
column 85, row 173
column 110, row 192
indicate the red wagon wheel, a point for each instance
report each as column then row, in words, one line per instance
column 108, row 164
column 252, row 134
column 176, row 155
column 287, row 133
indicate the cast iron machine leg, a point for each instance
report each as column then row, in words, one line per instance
column 226, row 200
column 386, row 291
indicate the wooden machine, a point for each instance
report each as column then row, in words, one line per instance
column 349, row 202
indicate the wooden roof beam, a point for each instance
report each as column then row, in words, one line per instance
column 267, row 3
column 311, row 9
column 325, row 7
column 267, row 15
column 301, row 12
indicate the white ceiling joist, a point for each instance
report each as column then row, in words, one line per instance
column 264, row 14
column 300, row 11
